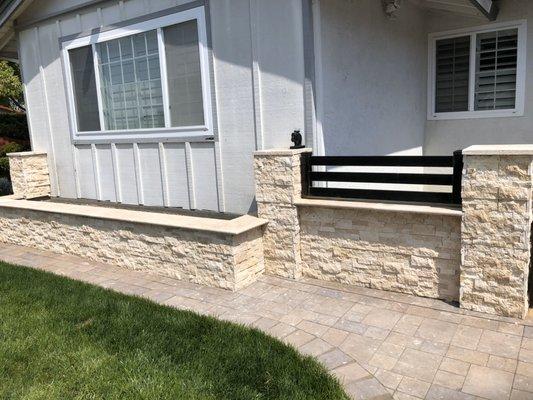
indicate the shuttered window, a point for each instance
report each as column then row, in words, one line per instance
column 496, row 68
column 479, row 73
column 452, row 74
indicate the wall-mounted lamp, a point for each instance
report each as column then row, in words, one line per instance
column 391, row 8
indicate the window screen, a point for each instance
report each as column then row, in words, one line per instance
column 496, row 68
column 85, row 95
column 131, row 82
column 452, row 74
column 184, row 74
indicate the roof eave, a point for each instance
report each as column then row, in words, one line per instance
column 488, row 8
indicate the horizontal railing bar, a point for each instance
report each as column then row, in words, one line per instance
column 381, row 177
column 426, row 197
column 384, row 161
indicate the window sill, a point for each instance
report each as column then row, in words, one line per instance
column 475, row 115
column 136, row 138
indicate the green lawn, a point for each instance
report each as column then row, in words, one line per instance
column 62, row 339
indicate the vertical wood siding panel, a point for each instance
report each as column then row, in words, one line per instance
column 135, row 8
column 111, row 14
column 70, row 25
column 231, row 37
column 151, row 174
column 56, row 101
column 43, row 60
column 127, row 174
column 89, row 20
column 122, row 175
column 86, row 172
column 204, row 175
column 178, row 195
column 33, row 91
column 106, row 173
column 43, row 9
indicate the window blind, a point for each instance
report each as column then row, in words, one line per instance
column 84, row 82
column 496, row 69
column 452, row 74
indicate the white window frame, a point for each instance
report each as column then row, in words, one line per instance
column 167, row 132
column 518, row 111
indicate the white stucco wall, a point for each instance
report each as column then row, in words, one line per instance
column 445, row 136
column 373, row 78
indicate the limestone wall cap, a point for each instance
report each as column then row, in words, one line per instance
column 282, row 152
column 27, row 154
column 235, row 226
column 429, row 209
column 499, row 149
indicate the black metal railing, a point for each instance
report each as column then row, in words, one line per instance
column 311, row 176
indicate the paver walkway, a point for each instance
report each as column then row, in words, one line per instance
column 381, row 345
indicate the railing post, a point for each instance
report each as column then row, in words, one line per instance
column 457, row 176
column 306, row 173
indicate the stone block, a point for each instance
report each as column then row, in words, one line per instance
column 278, row 185
column 495, row 239
column 29, row 174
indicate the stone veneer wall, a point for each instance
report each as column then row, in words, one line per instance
column 278, row 185
column 29, row 174
column 496, row 231
column 393, row 250
column 404, row 252
column 213, row 259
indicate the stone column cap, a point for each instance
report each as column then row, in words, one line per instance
column 282, row 152
column 499, row 149
column 27, row 154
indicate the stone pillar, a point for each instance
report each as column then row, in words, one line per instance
column 278, row 185
column 29, row 174
column 496, row 229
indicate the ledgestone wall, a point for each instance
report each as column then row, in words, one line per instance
column 228, row 261
column 496, row 231
column 400, row 251
column 29, row 174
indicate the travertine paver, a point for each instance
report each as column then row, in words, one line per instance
column 381, row 345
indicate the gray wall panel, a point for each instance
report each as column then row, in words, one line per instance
column 204, row 175
column 106, row 173
column 215, row 175
column 151, row 175
column 176, row 165
column 86, row 172
column 126, row 172
column 55, row 98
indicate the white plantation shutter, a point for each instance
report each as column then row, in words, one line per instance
column 452, row 74
column 496, row 70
